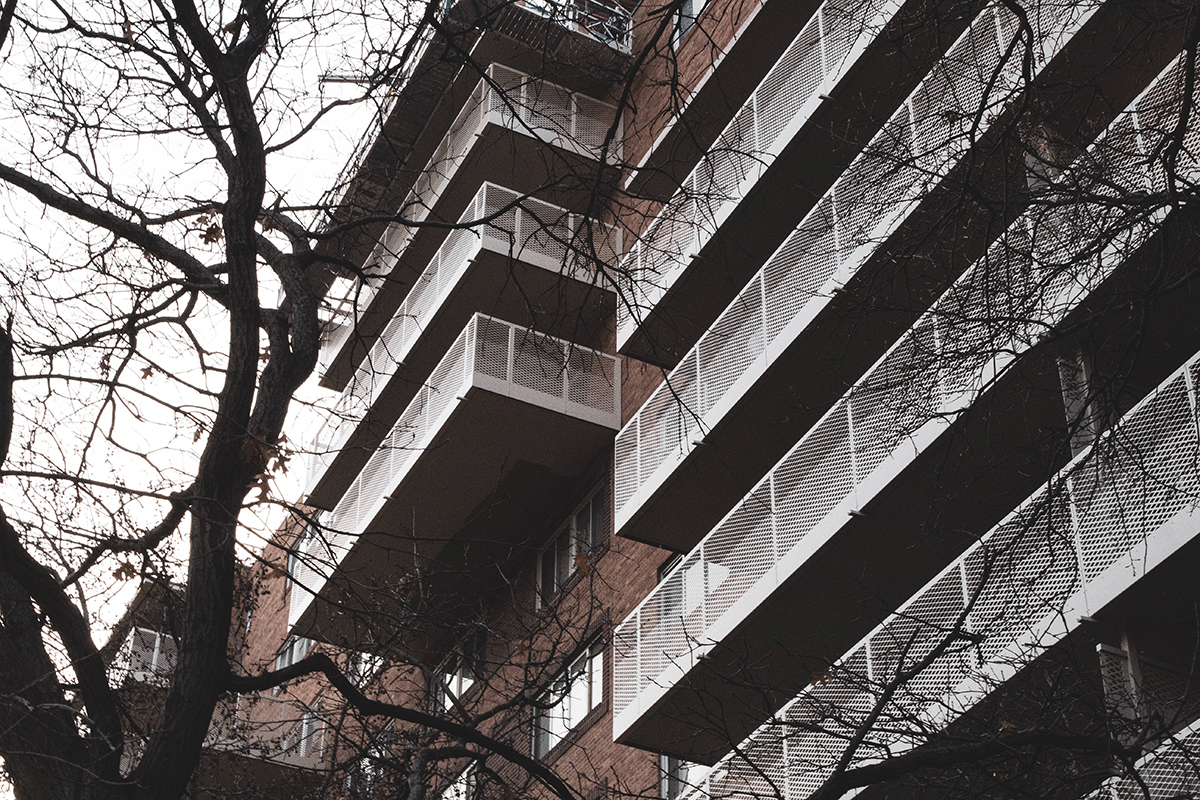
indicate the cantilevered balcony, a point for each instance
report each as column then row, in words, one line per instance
column 760, row 174
column 1120, row 509
column 506, row 422
column 859, row 480
column 1170, row 772
column 501, row 133
column 760, row 177
column 533, row 263
column 687, row 455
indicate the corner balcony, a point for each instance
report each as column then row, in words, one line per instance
column 911, row 435
column 685, row 457
column 507, row 421
column 1170, row 772
column 514, row 129
column 533, row 263
column 1068, row 553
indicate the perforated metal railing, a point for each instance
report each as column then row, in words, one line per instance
column 1017, row 292
column 490, row 354
column 1170, row 772
column 530, row 230
column 992, row 611
column 914, row 150
column 604, row 22
column 505, row 97
column 820, row 56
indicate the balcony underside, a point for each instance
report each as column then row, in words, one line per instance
column 499, row 155
column 433, row 95
column 733, row 77
column 782, row 394
column 974, row 473
column 881, row 79
column 495, row 284
column 489, row 478
column 875, row 86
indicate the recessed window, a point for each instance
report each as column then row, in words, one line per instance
column 685, row 19
column 574, row 544
column 572, row 695
column 362, row 667
column 294, row 649
column 677, row 776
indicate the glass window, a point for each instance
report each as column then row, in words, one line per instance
column 579, row 538
column 685, row 18
column 677, row 776
column 294, row 649
column 572, row 695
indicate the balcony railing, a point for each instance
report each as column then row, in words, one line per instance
column 912, row 152
column 504, row 97
column 820, row 56
column 1018, row 291
column 1073, row 546
column 146, row 656
column 525, row 229
column 605, row 22
column 489, row 354
column 1170, row 772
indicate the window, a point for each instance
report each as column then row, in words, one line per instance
column 574, row 693
column 361, row 667
column 582, row 535
column 677, row 776
column 294, row 649
column 463, row 787
column 148, row 656
column 454, row 685
column 685, row 19
column 365, row 777
column 303, row 546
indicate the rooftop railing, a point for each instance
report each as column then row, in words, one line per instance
column 820, row 56
column 504, row 97
column 999, row 606
column 492, row 355
column 1020, row 289
column 605, row 22
column 918, row 147
column 523, row 228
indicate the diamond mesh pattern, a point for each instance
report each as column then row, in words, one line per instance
column 489, row 347
column 919, row 145
column 820, row 55
column 535, row 228
column 1028, row 566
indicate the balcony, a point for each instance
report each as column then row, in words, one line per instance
column 740, row 375
column 501, row 133
column 508, row 419
column 855, row 480
column 758, row 178
column 1120, row 509
column 146, row 656
column 1168, row 773
column 531, row 260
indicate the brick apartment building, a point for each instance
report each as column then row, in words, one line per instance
column 772, row 390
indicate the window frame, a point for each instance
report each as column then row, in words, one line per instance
column 685, row 19
column 294, row 649
column 581, row 681
column 559, row 562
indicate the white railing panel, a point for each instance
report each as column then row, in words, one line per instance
column 916, row 148
column 504, row 97
column 994, row 312
column 493, row 355
column 530, row 230
column 1020, row 575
